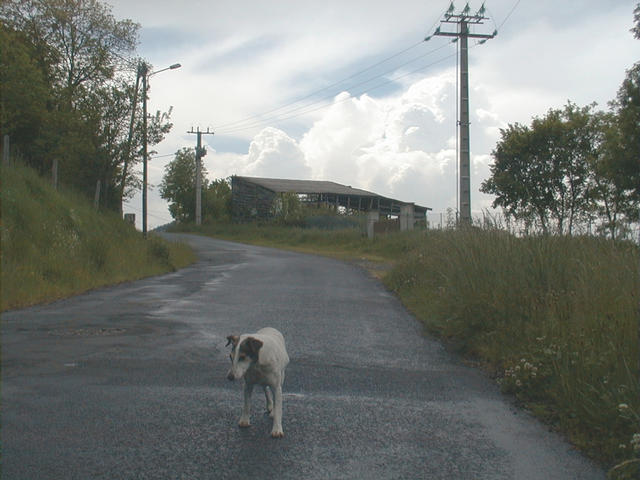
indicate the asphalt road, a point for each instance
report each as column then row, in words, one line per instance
column 130, row 382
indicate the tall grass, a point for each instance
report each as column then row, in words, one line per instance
column 349, row 243
column 554, row 318
column 55, row 245
column 346, row 242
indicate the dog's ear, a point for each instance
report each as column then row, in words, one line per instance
column 253, row 346
column 232, row 339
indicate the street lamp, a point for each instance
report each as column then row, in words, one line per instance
column 143, row 72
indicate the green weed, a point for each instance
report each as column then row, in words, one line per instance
column 555, row 317
column 55, row 245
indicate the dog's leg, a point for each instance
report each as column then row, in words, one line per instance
column 276, row 430
column 246, row 409
column 269, row 397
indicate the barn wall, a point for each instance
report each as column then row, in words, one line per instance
column 250, row 201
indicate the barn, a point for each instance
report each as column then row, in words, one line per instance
column 253, row 198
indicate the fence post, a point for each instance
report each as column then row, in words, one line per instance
column 96, row 200
column 372, row 218
column 6, row 152
column 54, row 174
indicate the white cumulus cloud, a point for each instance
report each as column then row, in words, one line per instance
column 401, row 146
column 273, row 153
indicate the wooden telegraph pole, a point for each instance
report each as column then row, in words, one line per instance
column 200, row 152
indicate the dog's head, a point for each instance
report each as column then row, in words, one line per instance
column 244, row 353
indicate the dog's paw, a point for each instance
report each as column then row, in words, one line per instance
column 244, row 423
column 277, row 434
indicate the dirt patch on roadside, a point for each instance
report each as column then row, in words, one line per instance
column 375, row 269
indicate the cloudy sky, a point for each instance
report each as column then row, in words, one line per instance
column 348, row 91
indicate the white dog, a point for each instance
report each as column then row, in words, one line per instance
column 260, row 358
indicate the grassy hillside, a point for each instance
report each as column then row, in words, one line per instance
column 55, row 244
column 554, row 319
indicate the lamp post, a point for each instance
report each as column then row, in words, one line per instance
column 143, row 72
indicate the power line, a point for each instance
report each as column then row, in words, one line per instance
column 331, row 95
column 320, row 90
column 288, row 112
column 154, row 214
column 233, row 125
column 333, row 102
column 492, row 16
column 162, row 156
column 509, row 14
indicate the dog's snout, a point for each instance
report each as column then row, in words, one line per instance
column 230, row 376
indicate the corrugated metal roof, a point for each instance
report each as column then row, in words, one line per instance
column 279, row 185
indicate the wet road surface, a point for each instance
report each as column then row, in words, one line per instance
column 129, row 382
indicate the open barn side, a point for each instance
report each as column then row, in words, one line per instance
column 253, row 199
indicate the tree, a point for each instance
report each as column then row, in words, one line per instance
column 610, row 198
column 626, row 107
column 287, row 209
column 78, row 42
column 216, row 201
column 178, row 187
column 571, row 167
column 540, row 173
column 77, row 87
column 24, row 93
column 574, row 165
column 621, row 165
column 514, row 165
column 77, row 45
column 581, row 142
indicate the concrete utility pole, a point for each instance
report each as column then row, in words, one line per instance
column 200, row 152
column 463, row 20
